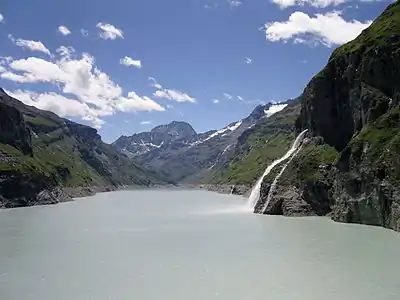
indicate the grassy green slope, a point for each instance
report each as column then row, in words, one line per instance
column 67, row 153
column 259, row 146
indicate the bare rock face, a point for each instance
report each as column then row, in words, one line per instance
column 13, row 129
column 18, row 190
column 297, row 199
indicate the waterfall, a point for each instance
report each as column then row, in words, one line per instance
column 273, row 185
column 255, row 193
column 232, row 189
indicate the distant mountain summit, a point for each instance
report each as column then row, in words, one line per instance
column 181, row 154
column 141, row 143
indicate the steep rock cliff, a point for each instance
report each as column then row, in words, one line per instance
column 352, row 109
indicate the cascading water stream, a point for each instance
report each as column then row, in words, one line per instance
column 255, row 193
column 232, row 189
column 273, row 185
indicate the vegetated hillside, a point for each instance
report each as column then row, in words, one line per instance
column 350, row 166
column 184, row 156
column 41, row 152
column 259, row 146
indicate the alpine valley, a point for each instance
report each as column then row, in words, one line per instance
column 345, row 164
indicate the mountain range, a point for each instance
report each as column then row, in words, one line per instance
column 181, row 154
column 348, row 166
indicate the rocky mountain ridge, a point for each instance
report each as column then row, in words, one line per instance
column 184, row 156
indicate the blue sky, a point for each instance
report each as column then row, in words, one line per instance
column 126, row 66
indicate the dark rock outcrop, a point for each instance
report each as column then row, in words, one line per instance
column 18, row 190
column 13, row 129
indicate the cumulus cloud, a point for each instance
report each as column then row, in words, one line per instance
column 92, row 93
column 145, row 123
column 109, row 32
column 326, row 29
column 234, row 3
column 64, row 30
column 170, row 94
column 65, row 51
column 215, row 101
column 4, row 60
column 314, row 3
column 133, row 102
column 30, row 45
column 1, row 18
column 56, row 103
column 129, row 62
column 174, row 95
column 248, row 60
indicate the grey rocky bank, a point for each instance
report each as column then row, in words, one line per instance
column 350, row 166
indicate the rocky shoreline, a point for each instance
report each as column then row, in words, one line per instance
column 242, row 190
column 59, row 195
column 86, row 191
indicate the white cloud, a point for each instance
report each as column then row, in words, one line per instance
column 234, row 3
column 84, row 32
column 174, row 95
column 133, row 102
column 96, row 94
column 215, row 101
column 30, row 45
column 65, row 51
column 4, row 60
column 327, row 29
column 62, row 106
column 128, row 61
column 170, row 94
column 1, row 18
column 227, row 96
column 109, row 32
column 145, row 123
column 248, row 60
column 314, row 3
column 64, row 30
column 155, row 84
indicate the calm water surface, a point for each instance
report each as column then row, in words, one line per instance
column 189, row 245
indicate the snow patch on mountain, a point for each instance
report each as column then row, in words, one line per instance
column 273, row 109
column 221, row 131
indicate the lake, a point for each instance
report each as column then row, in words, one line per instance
column 189, row 245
